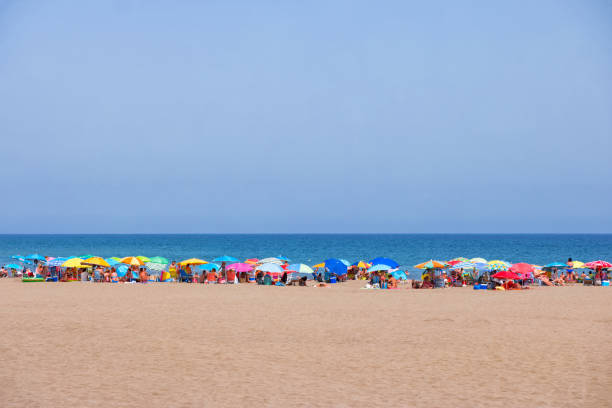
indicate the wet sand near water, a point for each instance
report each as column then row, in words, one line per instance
column 182, row 345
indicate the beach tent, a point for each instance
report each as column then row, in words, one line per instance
column 384, row 261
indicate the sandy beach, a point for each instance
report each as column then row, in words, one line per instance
column 162, row 345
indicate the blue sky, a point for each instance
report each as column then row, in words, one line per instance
column 320, row 116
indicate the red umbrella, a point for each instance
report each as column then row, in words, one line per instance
column 506, row 275
column 596, row 264
column 453, row 263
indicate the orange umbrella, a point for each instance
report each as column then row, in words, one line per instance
column 132, row 260
column 431, row 265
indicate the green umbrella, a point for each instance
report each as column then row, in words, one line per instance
column 143, row 258
column 159, row 260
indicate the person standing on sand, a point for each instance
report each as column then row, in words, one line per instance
column 172, row 270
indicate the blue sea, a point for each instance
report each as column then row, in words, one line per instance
column 407, row 249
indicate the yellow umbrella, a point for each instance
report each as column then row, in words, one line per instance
column 143, row 258
column 132, row 260
column 319, row 265
column 362, row 264
column 74, row 263
column 577, row 264
column 96, row 260
column 193, row 261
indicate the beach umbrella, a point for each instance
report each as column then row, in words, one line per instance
column 154, row 266
column 283, row 258
column 344, row 261
column 498, row 265
column 577, row 265
column 524, row 270
column 252, row 261
column 379, row 267
column 73, row 263
column 193, row 261
column 111, row 261
column 226, row 259
column 362, row 264
column 506, row 275
column 464, row 265
column 319, row 265
column 555, row 265
column 240, row 267
column 460, row 259
column 159, row 260
column 335, row 266
column 598, row 264
column 453, row 262
column 209, row 266
column 400, row 275
column 478, row 260
column 18, row 257
column 482, row 267
column 270, row 267
column 97, row 261
column 144, row 259
column 122, row 270
column 384, row 261
column 85, row 256
column 57, row 261
column 13, row 266
column 131, row 260
column 300, row 267
column 36, row 257
column 431, row 264
column 115, row 258
column 271, row 260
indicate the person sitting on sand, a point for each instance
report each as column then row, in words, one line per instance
column 212, row 276
column 427, row 284
column 392, row 282
column 3, row 272
column 113, row 275
column 143, row 275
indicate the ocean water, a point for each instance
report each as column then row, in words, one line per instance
column 407, row 249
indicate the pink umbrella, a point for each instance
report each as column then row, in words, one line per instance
column 596, row 264
column 523, row 270
column 240, row 267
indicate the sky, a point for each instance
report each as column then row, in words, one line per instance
column 320, row 116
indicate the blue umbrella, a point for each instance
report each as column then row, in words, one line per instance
column 335, row 266
column 57, row 262
column 111, row 261
column 225, row 258
column 122, row 270
column 401, row 275
column 555, row 265
column 36, row 257
column 283, row 258
column 13, row 266
column 482, row 267
column 344, row 261
column 209, row 266
column 384, row 261
column 18, row 257
column 379, row 267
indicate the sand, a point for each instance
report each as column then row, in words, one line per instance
column 181, row 345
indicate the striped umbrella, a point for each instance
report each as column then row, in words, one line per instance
column 598, row 264
column 154, row 266
column 56, row 262
column 460, row 259
column 431, row 264
column 464, row 265
column 131, row 260
column 478, row 260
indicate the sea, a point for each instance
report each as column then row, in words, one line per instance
column 406, row 249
